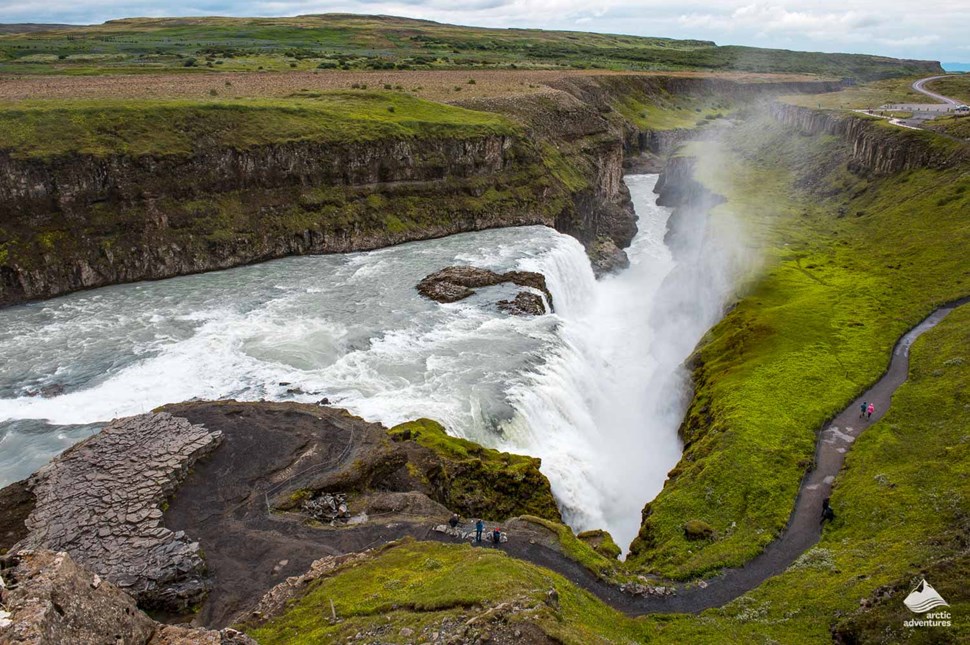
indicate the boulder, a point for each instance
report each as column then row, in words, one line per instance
column 525, row 303
column 53, row 600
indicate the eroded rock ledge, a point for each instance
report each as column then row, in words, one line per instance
column 455, row 283
column 101, row 501
column 52, row 600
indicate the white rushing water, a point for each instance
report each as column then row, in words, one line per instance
column 595, row 390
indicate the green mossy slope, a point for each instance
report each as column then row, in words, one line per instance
column 851, row 263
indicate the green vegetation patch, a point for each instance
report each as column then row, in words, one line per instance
column 478, row 481
column 864, row 96
column 410, row 590
column 145, row 127
column 352, row 42
column 956, row 86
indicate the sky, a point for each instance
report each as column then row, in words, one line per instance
column 928, row 29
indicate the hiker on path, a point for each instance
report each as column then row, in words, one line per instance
column 497, row 536
column 827, row 512
column 870, row 410
column 862, row 409
column 479, row 527
column 453, row 522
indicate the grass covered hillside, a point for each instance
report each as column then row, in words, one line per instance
column 352, row 42
column 172, row 127
column 852, row 261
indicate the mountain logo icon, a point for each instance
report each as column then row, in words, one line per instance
column 923, row 598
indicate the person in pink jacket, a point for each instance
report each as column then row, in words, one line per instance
column 870, row 410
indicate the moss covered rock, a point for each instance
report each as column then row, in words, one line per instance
column 602, row 542
column 698, row 530
column 472, row 480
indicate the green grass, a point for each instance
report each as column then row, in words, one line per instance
column 903, row 502
column 600, row 563
column 372, row 42
column 864, row 95
column 173, row 127
column 851, row 263
column 418, row 585
column 659, row 112
column 952, row 125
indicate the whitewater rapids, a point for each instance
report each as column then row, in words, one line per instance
column 594, row 390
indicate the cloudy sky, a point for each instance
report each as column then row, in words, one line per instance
column 929, row 29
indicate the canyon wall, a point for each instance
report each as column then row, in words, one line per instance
column 877, row 146
column 83, row 220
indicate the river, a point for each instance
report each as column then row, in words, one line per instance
column 594, row 390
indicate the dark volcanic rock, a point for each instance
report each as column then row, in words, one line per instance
column 606, row 257
column 525, row 303
column 452, row 284
column 16, row 504
column 100, row 501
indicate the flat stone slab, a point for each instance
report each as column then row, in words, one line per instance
column 101, row 502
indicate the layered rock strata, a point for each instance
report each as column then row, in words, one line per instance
column 101, row 501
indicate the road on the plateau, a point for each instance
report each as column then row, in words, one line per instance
column 920, row 86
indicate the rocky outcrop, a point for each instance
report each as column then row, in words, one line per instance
column 875, row 147
column 51, row 600
column 452, row 284
column 101, row 501
column 470, row 479
column 525, row 303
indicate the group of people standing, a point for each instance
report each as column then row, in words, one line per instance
column 495, row 534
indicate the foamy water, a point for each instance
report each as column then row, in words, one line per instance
column 595, row 390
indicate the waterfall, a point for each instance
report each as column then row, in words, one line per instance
column 596, row 390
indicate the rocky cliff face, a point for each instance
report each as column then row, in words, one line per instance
column 876, row 146
column 87, row 221
column 83, row 221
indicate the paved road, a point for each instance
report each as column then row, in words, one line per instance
column 920, row 87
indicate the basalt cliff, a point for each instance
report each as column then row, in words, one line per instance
column 85, row 220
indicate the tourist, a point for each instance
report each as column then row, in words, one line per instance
column 870, row 410
column 453, row 522
column 827, row 512
column 479, row 527
column 862, row 409
column 497, row 536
